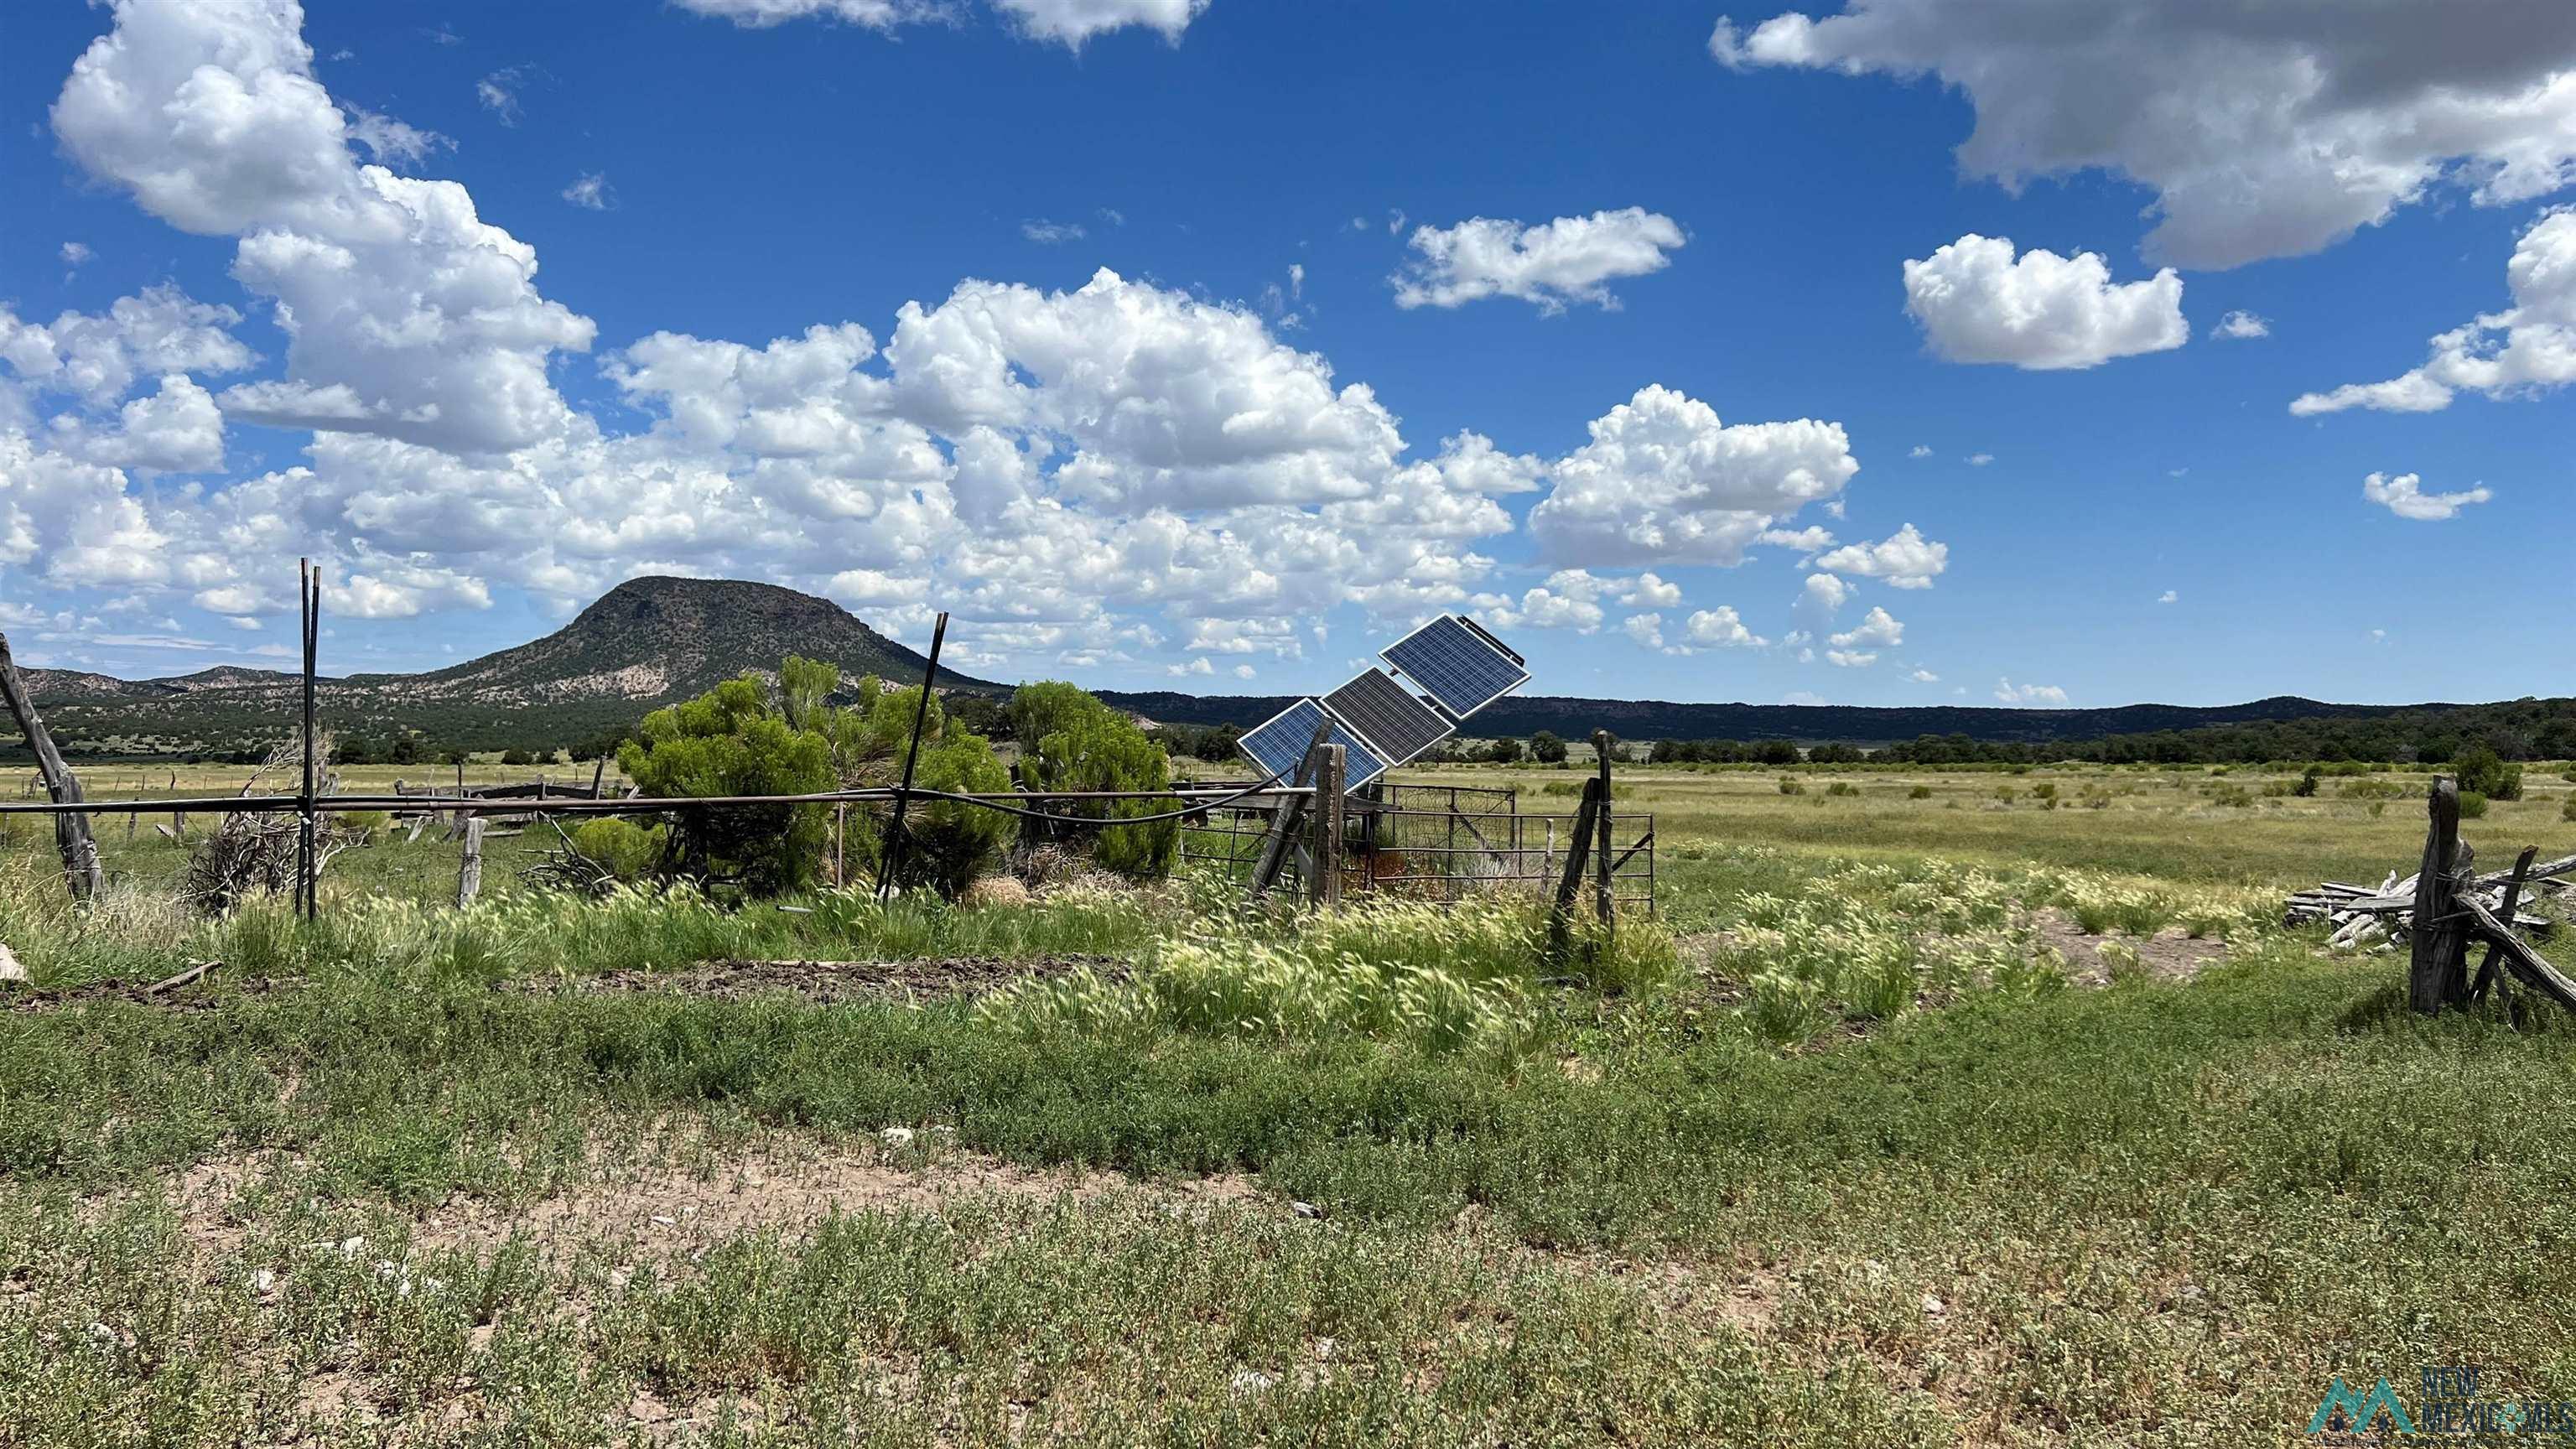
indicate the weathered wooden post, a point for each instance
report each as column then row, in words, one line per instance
column 2438, row 973
column 2490, row 971
column 81, row 870
column 1601, row 865
column 469, row 873
column 1283, row 819
column 1325, row 853
column 1587, row 821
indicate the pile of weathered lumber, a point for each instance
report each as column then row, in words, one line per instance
column 2376, row 920
column 2446, row 912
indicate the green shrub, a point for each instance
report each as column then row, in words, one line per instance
column 363, row 819
column 2480, row 769
column 729, row 741
column 2307, row 785
column 624, row 849
column 2567, row 809
column 1086, row 745
column 1842, row 787
column 952, row 844
column 1791, row 787
column 2473, row 806
column 1919, row 792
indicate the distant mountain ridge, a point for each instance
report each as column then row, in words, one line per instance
column 653, row 641
column 645, row 643
column 1651, row 719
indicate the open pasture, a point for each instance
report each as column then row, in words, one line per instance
column 1921, row 1116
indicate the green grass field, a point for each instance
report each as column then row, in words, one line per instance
column 1917, row 1119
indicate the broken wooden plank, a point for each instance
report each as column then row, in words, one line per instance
column 2520, row 959
column 2487, row 971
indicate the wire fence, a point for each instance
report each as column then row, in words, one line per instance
column 1439, row 842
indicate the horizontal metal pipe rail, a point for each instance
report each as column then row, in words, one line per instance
column 578, row 805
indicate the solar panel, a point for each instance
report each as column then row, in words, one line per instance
column 1457, row 663
column 1278, row 743
column 1391, row 716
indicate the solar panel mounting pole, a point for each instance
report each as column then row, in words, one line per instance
column 887, row 864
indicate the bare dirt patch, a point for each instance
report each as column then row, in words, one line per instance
column 666, row 1211
column 829, row 982
column 668, row 1197
column 2169, row 955
column 207, row 993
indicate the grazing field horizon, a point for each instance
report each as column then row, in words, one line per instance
column 1931, row 1106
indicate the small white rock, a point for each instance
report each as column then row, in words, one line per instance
column 1305, row 1210
column 10, row 970
column 664, row 1220
column 351, row 1247
column 1933, row 1307
column 1251, row 1381
column 263, row 1281
column 897, row 1136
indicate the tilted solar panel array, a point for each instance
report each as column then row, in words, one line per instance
column 1378, row 722
column 1457, row 664
column 1392, row 718
column 1279, row 743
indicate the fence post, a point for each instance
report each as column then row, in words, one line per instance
column 1283, row 820
column 307, row 868
column 469, row 874
column 1586, row 822
column 1326, row 887
column 2438, row 974
column 81, row 870
column 1601, row 866
column 892, row 855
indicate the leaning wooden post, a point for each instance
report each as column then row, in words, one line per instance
column 1325, row 889
column 2490, row 973
column 1601, row 866
column 81, row 869
column 1283, row 820
column 893, row 855
column 2437, row 974
column 1586, row 824
column 469, row 873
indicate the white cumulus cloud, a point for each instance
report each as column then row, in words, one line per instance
column 2029, row 695
column 1720, row 628
column 2404, row 496
column 2241, row 326
column 1877, row 630
column 2264, row 130
column 1663, row 481
column 2524, row 350
column 1903, row 560
column 1977, row 303
column 1570, row 259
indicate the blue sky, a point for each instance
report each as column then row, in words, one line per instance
column 1163, row 480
